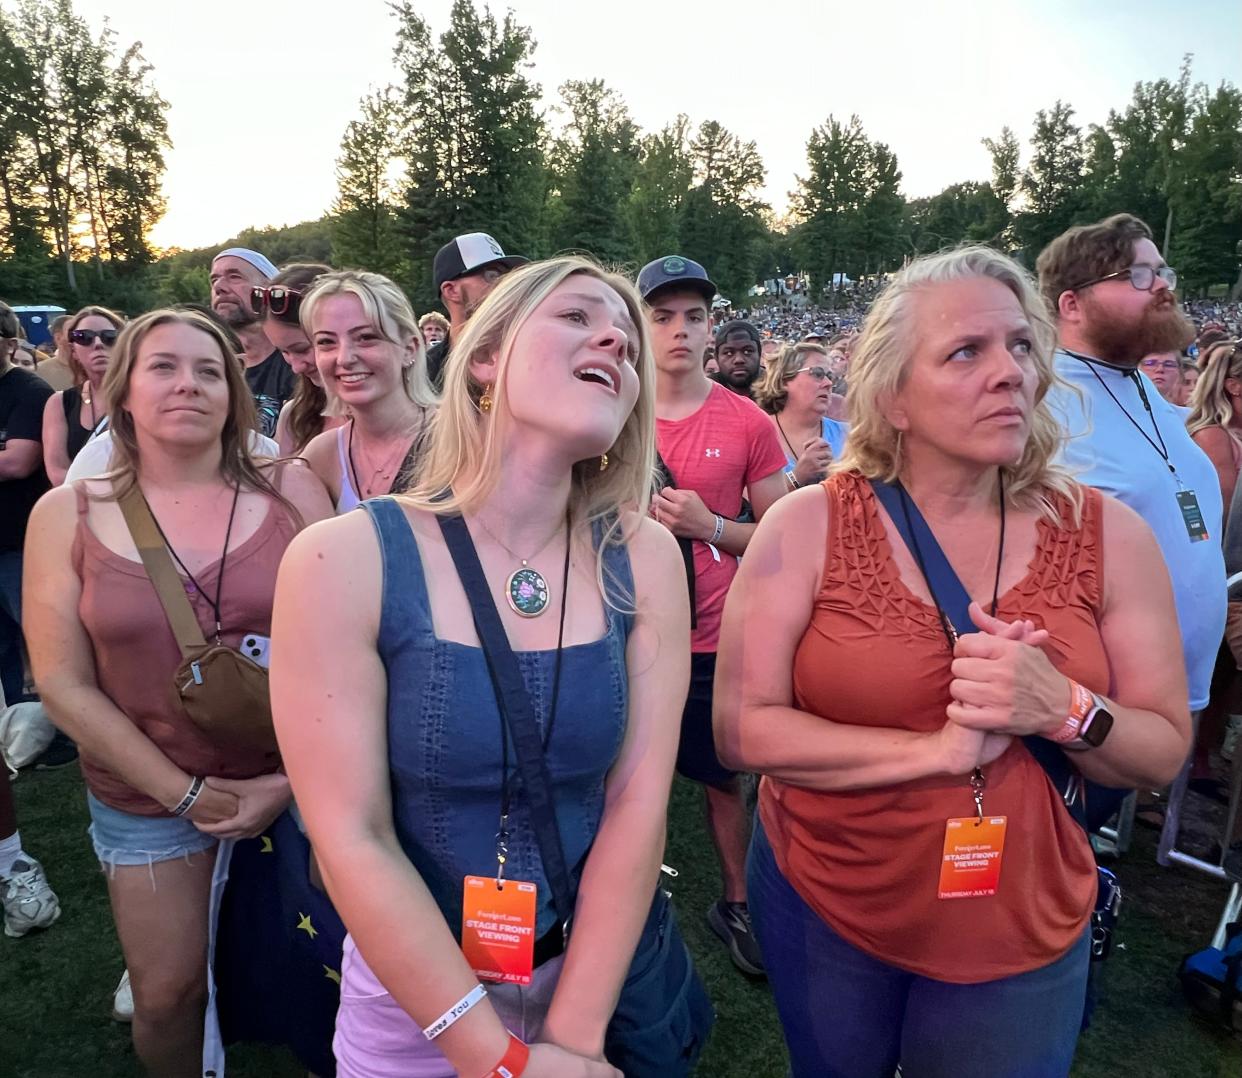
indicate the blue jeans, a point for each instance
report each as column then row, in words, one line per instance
column 848, row 1015
column 12, row 674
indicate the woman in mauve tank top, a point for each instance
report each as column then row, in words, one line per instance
column 544, row 446
column 919, row 889
column 161, row 793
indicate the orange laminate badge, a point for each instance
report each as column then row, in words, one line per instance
column 498, row 928
column 971, row 865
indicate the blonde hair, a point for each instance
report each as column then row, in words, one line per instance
column 464, row 454
column 118, row 323
column 1210, row 405
column 770, row 392
column 237, row 465
column 881, row 363
column 434, row 318
column 388, row 311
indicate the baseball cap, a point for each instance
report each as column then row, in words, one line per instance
column 671, row 270
column 468, row 253
column 260, row 262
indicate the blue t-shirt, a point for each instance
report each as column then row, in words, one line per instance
column 1107, row 451
column 833, row 432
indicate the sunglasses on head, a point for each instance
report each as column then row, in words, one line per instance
column 86, row 337
column 276, row 300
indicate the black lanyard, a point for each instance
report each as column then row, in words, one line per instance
column 950, row 632
column 215, row 606
column 1132, row 374
column 502, row 831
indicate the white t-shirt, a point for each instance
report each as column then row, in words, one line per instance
column 1107, row 451
column 95, row 458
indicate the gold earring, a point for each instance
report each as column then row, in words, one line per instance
column 485, row 401
column 603, row 462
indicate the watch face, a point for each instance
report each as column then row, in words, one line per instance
column 1101, row 722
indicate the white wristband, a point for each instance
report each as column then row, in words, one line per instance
column 718, row 531
column 454, row 1012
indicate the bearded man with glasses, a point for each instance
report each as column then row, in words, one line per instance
column 1111, row 293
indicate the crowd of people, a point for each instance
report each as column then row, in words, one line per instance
column 883, row 559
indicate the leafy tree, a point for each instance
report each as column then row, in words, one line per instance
column 656, row 200
column 365, row 226
column 722, row 220
column 1052, row 182
column 1006, row 179
column 594, row 162
column 473, row 135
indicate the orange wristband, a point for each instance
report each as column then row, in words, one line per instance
column 1081, row 703
column 513, row 1062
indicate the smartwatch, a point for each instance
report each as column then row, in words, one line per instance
column 1095, row 726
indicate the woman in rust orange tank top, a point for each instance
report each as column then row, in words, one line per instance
column 160, row 793
column 894, row 931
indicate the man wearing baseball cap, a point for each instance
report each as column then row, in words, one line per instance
column 714, row 445
column 465, row 270
column 234, row 273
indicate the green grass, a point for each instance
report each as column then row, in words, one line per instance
column 55, row 987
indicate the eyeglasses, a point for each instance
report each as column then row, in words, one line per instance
column 820, row 374
column 277, row 300
column 1160, row 364
column 1141, row 276
column 86, row 337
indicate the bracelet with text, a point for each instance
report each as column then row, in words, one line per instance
column 454, row 1012
column 718, row 531
column 191, row 795
column 513, row 1062
column 1081, row 703
column 791, row 480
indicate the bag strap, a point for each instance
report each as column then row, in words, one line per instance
column 954, row 600
column 159, row 566
column 516, row 710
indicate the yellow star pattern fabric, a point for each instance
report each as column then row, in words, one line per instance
column 305, row 925
column 332, row 975
column 267, row 845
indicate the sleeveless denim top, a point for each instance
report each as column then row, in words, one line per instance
column 444, row 730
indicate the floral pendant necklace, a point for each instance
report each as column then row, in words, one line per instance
column 527, row 589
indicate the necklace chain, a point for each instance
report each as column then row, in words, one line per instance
column 525, row 561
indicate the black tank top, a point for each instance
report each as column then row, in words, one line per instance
column 78, row 434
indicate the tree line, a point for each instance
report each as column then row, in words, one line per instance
column 460, row 142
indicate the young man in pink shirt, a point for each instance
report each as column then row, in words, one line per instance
column 715, row 448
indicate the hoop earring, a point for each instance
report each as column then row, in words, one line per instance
column 485, row 401
column 603, row 462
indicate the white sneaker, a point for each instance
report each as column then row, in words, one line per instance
column 29, row 901
column 123, row 1000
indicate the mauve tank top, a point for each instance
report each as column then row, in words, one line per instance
column 868, row 861
column 136, row 654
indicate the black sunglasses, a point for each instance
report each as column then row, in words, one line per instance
column 276, row 300
column 86, row 337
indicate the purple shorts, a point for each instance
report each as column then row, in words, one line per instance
column 375, row 1038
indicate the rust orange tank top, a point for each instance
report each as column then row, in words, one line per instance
column 868, row 861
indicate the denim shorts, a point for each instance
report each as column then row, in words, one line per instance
column 122, row 839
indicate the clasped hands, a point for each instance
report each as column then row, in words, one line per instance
column 1003, row 687
column 240, row 808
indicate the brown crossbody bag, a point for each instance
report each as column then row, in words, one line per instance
column 223, row 692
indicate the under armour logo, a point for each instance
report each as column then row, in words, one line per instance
column 711, row 452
